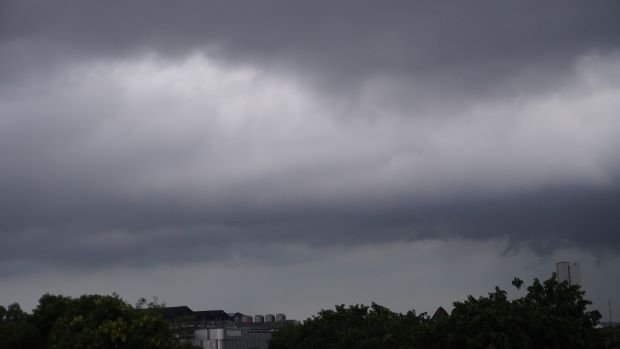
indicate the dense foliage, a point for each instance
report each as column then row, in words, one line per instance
column 550, row 315
column 92, row 321
column 356, row 326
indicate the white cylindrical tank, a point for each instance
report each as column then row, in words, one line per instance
column 280, row 317
column 246, row 319
column 259, row 318
column 269, row 318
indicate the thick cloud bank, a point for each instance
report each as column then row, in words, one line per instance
column 139, row 133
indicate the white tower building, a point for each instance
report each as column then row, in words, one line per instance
column 569, row 271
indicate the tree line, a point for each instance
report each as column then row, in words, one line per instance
column 551, row 315
column 87, row 322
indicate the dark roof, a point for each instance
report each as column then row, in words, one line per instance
column 440, row 313
column 171, row 313
column 236, row 316
column 212, row 315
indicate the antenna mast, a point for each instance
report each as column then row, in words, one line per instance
column 610, row 322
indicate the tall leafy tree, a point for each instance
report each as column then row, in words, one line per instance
column 16, row 331
column 357, row 326
column 90, row 321
column 551, row 315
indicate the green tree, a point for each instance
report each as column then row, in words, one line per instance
column 90, row 321
column 49, row 309
column 108, row 322
column 551, row 315
column 16, row 331
column 357, row 326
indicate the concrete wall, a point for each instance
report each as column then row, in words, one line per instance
column 232, row 338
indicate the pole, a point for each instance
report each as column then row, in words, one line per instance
column 610, row 322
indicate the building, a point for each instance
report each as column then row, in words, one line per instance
column 216, row 329
column 172, row 313
column 232, row 338
column 569, row 271
column 440, row 313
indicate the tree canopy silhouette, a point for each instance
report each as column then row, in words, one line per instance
column 551, row 315
column 90, row 321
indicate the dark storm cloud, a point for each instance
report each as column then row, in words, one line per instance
column 544, row 221
column 135, row 133
column 474, row 45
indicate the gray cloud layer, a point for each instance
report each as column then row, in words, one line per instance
column 472, row 45
column 158, row 132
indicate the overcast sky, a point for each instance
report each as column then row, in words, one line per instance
column 279, row 156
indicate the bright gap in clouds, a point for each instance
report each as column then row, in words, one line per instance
column 200, row 126
column 149, row 147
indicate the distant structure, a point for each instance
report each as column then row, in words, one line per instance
column 440, row 313
column 569, row 271
column 216, row 329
